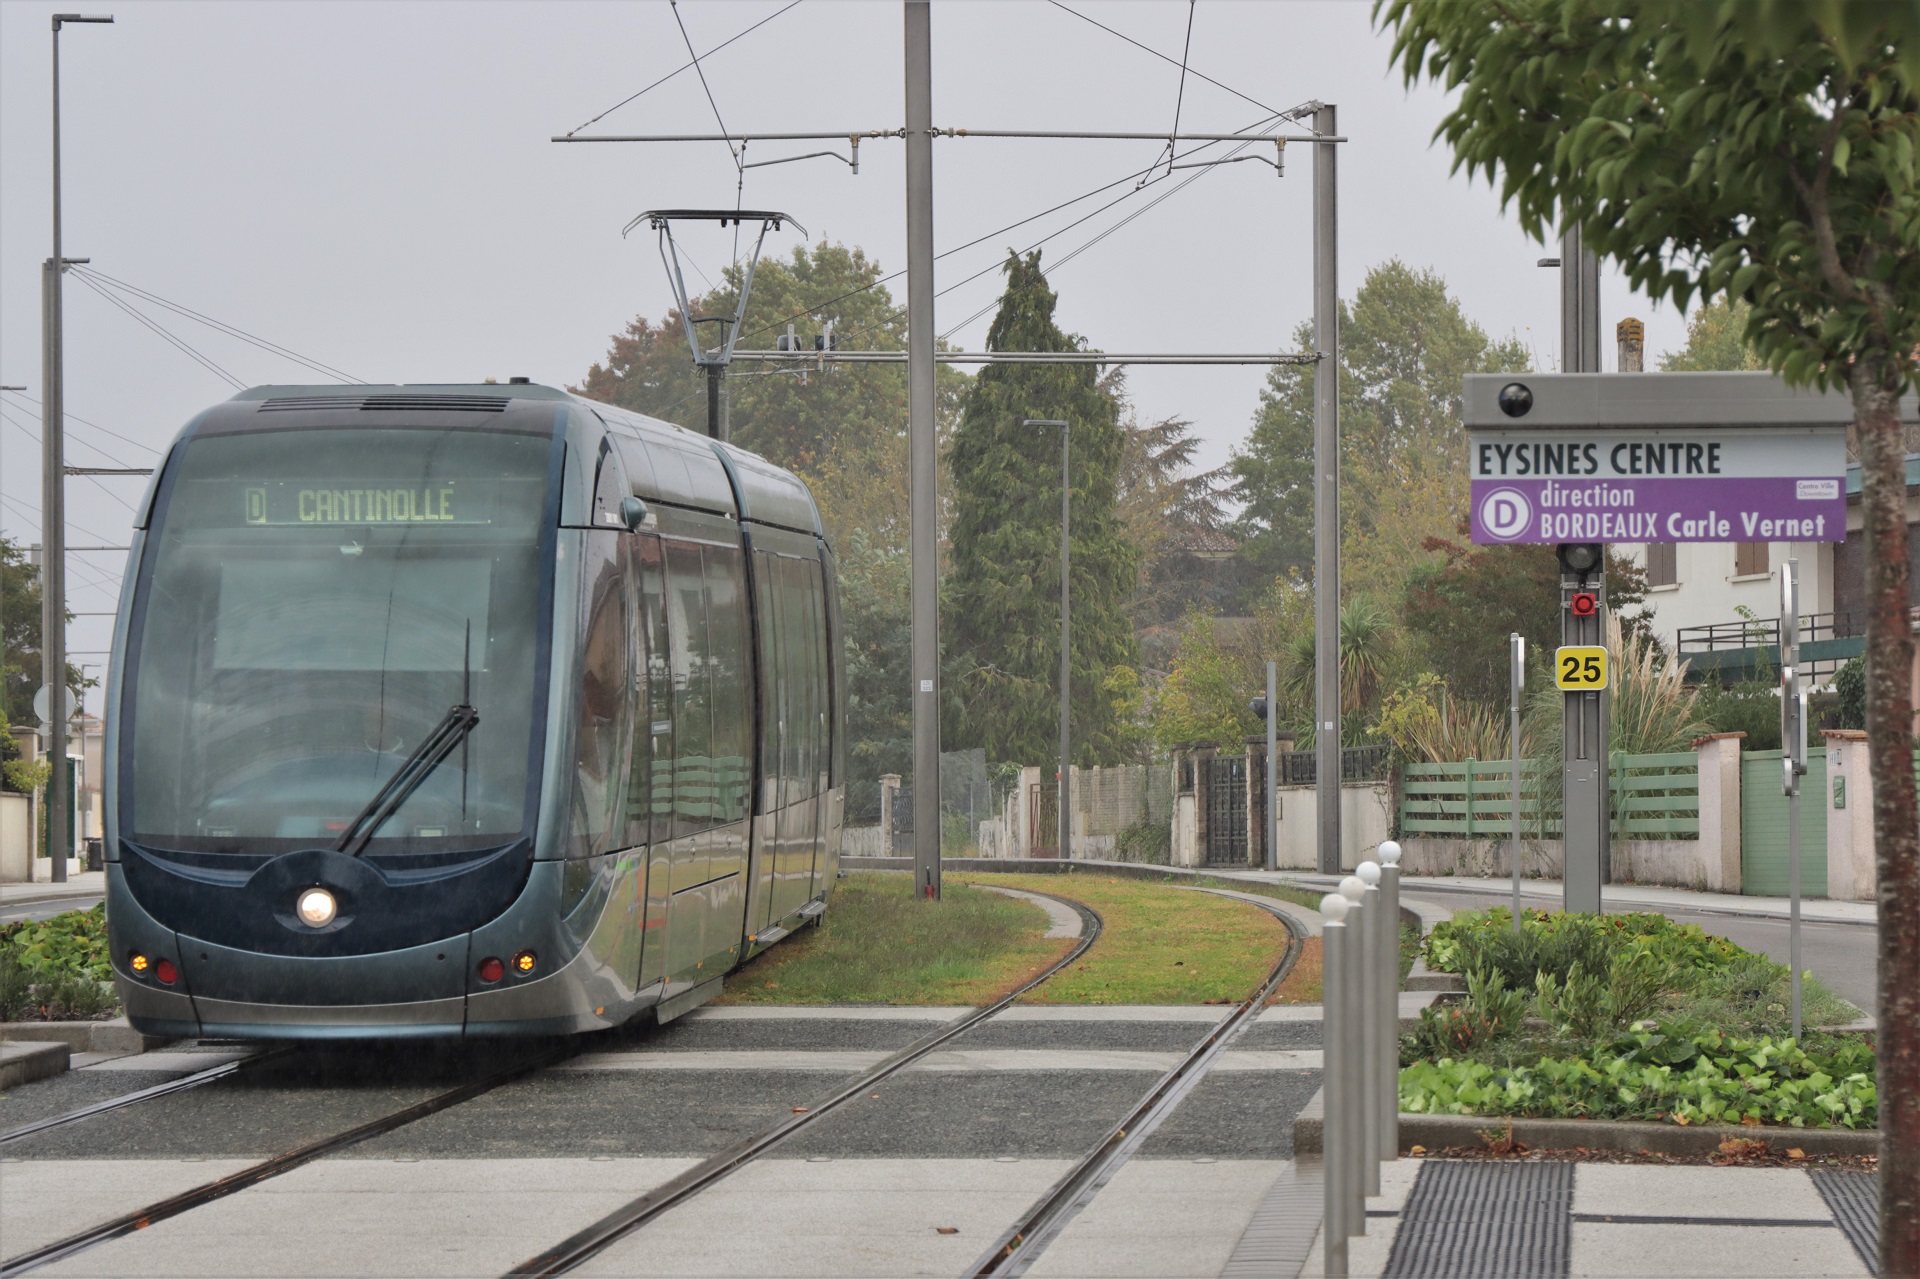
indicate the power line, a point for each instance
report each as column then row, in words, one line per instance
column 34, row 436
column 220, row 325
column 146, row 448
column 1180, row 94
column 1292, row 114
column 156, row 327
column 685, row 67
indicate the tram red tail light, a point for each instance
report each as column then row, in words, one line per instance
column 166, row 972
column 491, row 969
column 523, row 963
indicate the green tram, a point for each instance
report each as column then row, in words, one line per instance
column 463, row 710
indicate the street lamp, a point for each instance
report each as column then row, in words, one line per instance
column 1066, row 671
column 53, row 502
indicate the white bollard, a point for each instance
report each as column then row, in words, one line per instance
column 1389, row 1096
column 1334, row 1089
column 1353, row 1045
column 1373, row 923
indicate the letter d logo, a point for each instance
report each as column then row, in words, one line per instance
column 1505, row 514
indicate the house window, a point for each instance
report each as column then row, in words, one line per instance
column 1749, row 559
column 1663, row 563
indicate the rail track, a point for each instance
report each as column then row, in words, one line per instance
column 223, row 1071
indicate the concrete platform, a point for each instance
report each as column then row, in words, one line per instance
column 23, row 1063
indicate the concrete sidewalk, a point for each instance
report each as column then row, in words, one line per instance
column 85, row 883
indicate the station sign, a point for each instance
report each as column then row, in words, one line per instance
column 1656, row 457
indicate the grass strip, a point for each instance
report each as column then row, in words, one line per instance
column 1161, row 945
column 878, row 944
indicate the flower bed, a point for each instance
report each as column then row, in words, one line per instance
column 1627, row 1017
column 56, row 969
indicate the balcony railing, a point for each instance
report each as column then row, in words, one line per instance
column 1741, row 649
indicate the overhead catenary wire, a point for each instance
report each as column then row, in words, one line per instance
column 1180, row 93
column 72, row 417
column 1293, row 113
column 222, row 326
column 179, row 343
column 688, row 66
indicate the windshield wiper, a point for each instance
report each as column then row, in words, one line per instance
column 429, row 755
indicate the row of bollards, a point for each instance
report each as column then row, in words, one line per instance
column 1360, row 993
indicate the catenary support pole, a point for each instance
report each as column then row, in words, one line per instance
column 1066, row 653
column 1389, row 1010
column 921, row 448
column 1516, row 679
column 1334, row 1084
column 1793, row 758
column 1272, row 859
column 1326, row 498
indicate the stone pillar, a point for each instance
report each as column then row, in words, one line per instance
column 1720, row 810
column 1849, row 805
column 889, row 787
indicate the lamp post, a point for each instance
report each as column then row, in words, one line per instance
column 1066, row 669
column 53, row 504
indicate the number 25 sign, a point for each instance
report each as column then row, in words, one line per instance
column 1580, row 669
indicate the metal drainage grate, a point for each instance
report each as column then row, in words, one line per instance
column 1854, row 1200
column 1467, row 1220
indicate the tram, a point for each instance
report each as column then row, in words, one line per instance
column 463, row 710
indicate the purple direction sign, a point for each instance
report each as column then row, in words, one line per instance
column 1667, row 486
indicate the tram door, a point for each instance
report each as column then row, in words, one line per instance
column 650, row 776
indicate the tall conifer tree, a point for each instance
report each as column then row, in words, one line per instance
column 1001, row 612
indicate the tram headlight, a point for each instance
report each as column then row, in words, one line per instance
column 316, row 907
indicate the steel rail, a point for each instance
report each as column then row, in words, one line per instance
column 596, row 1238
column 233, row 1183
column 1021, row 1245
column 112, row 1104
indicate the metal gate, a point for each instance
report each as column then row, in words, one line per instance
column 1043, row 820
column 1763, row 825
column 1227, row 810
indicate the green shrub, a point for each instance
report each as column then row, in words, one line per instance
column 1651, row 1075
column 1145, row 841
column 56, row 969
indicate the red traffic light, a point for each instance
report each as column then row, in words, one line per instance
column 1583, row 604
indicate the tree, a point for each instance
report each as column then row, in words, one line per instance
column 1764, row 153
column 1405, row 345
column 1715, row 341
column 1001, row 612
column 1174, row 517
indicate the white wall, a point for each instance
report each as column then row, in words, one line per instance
column 1366, row 818
column 1708, row 593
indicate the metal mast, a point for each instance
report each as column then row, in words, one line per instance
column 921, row 446
column 1326, row 497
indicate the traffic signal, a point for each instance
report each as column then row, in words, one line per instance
column 1583, row 604
column 1581, row 559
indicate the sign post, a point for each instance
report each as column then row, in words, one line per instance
column 1793, row 761
column 1578, row 460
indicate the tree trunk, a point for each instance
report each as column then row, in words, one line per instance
column 1896, row 825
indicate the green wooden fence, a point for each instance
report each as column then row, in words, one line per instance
column 1654, row 797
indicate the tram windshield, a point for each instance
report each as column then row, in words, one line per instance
column 317, row 599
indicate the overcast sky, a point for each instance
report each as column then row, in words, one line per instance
column 372, row 186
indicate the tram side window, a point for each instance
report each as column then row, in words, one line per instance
column 690, row 669
column 803, row 656
column 772, row 681
column 836, row 681
column 650, row 777
column 603, row 685
column 731, row 670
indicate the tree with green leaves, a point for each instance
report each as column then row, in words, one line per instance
column 1405, row 345
column 1762, row 152
column 1716, row 341
column 1000, row 614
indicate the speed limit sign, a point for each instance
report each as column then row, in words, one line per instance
column 1580, row 668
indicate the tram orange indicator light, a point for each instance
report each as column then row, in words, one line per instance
column 523, row 962
column 491, row 969
column 166, row 972
column 139, row 963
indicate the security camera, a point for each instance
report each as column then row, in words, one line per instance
column 1515, row 399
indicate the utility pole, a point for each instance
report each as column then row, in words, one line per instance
column 53, row 507
column 1326, row 497
column 1584, row 782
column 921, row 452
